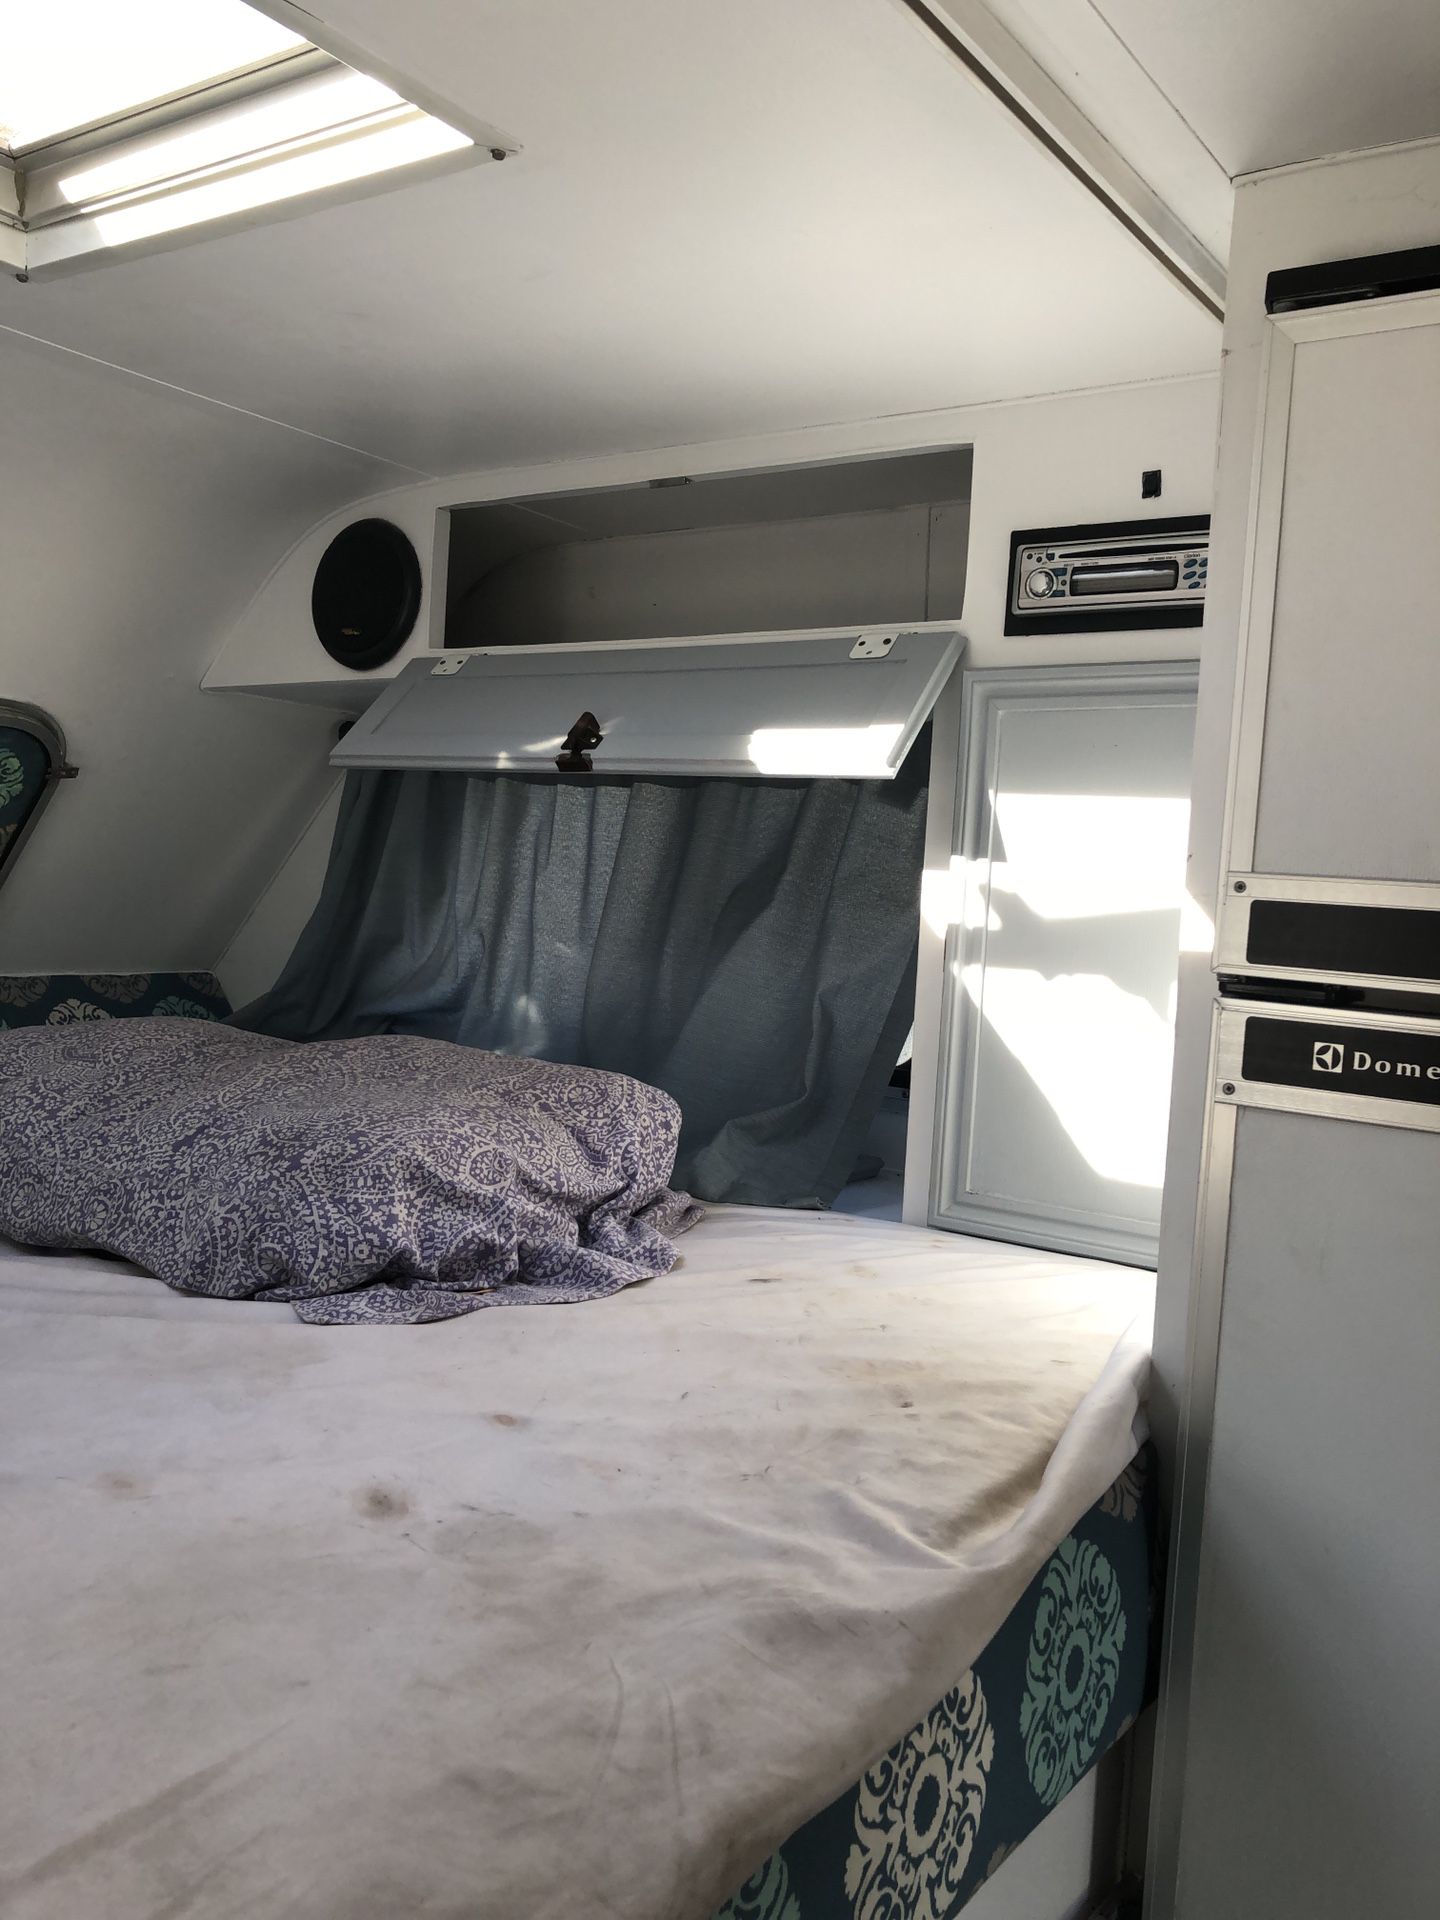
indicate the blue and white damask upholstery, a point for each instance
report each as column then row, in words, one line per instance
column 32, row 1000
column 24, row 769
column 934, row 1817
column 32, row 760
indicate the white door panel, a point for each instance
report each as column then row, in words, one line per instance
column 846, row 703
column 1068, row 885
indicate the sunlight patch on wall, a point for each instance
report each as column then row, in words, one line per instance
column 1100, row 1056
column 1098, row 1049
column 815, row 752
column 954, row 896
column 1076, row 856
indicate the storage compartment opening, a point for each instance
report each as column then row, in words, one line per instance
column 856, row 541
column 876, row 1188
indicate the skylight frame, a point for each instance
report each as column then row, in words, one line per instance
column 167, row 109
column 44, row 233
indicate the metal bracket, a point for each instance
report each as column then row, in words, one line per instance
column 872, row 646
column 452, row 665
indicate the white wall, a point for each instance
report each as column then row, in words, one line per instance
column 1330, row 210
column 263, row 941
column 136, row 523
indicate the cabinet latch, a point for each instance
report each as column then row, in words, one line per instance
column 574, row 755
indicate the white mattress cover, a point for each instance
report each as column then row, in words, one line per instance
column 571, row 1611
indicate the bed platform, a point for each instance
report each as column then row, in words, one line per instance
column 596, row 1610
column 930, row 1822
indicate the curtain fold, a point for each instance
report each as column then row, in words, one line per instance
column 748, row 945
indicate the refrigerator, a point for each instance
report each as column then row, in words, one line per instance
column 1300, row 1773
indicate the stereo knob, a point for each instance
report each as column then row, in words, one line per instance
column 1041, row 584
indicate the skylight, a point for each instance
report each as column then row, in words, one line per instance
column 126, row 122
column 69, row 63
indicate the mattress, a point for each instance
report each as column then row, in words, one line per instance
column 942, row 1810
column 572, row 1610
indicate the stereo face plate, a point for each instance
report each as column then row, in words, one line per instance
column 1141, row 573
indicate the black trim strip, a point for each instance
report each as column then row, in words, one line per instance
column 1331, row 995
column 1112, row 530
column 1374, row 276
column 1334, row 936
column 1016, row 108
column 1093, row 619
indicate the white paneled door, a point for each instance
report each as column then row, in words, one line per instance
column 1066, row 908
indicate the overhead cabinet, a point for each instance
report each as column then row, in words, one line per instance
column 867, row 541
column 844, row 702
column 874, row 542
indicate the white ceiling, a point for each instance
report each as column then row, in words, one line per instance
column 724, row 220
column 1268, row 82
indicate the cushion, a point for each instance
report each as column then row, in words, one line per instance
column 27, row 999
column 389, row 1178
column 24, row 769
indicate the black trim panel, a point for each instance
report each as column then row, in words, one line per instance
column 1374, row 276
column 1380, row 1063
column 1397, row 943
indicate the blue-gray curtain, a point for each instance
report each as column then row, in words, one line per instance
column 748, row 945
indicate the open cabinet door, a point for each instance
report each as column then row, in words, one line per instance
column 846, row 703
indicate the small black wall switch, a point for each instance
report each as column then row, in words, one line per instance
column 1150, row 484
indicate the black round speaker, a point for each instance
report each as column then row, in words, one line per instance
column 366, row 594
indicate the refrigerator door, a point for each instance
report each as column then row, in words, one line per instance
column 1337, row 736
column 1314, row 1692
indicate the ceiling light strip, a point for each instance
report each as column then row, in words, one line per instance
column 371, row 160
column 996, row 85
column 337, row 134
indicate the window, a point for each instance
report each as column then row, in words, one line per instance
column 123, row 121
column 32, row 759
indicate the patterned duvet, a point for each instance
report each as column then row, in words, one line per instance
column 381, row 1179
